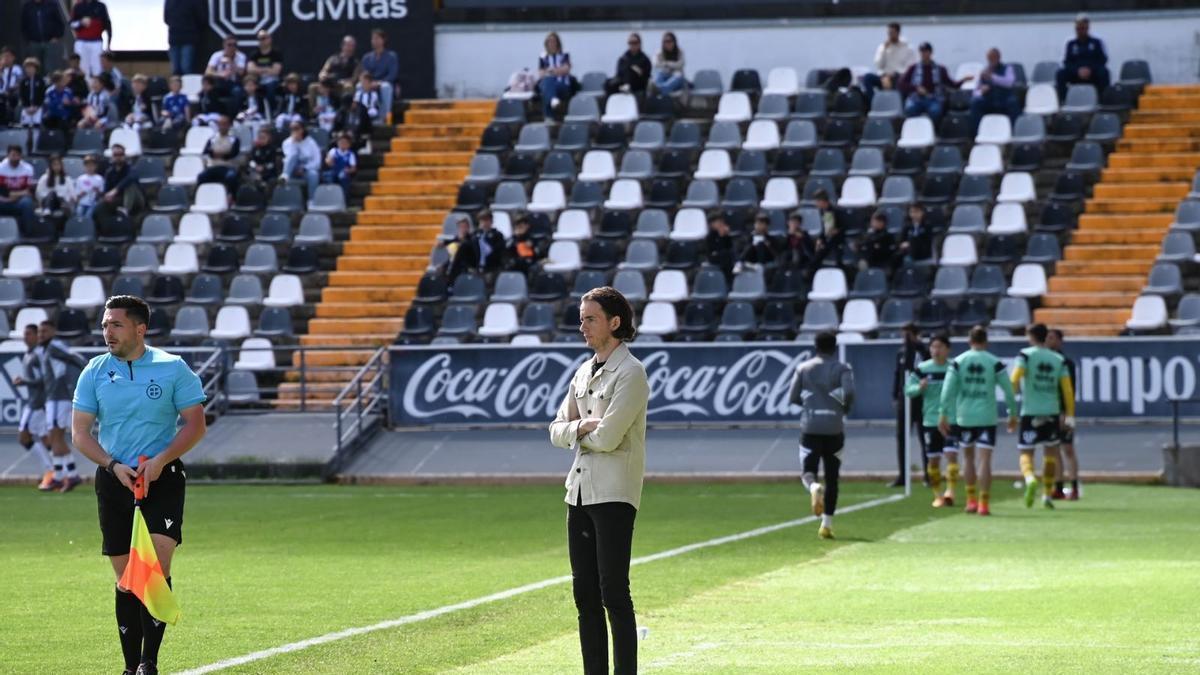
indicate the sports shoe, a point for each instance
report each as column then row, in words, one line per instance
column 48, row 483
column 147, row 668
column 70, row 484
column 972, row 506
column 1047, row 503
column 899, row 482
column 817, row 494
column 1031, row 487
column 939, row 502
column 948, row 499
column 1059, row 494
column 984, row 510
column 825, row 532
column 1073, row 496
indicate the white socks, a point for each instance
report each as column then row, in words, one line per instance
column 826, row 520
column 43, row 455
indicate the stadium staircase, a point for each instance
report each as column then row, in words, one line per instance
column 1120, row 232
column 376, row 275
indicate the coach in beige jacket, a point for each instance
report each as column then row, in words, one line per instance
column 603, row 419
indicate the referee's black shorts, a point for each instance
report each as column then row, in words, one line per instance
column 162, row 508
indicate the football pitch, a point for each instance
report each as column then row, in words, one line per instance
column 1106, row 584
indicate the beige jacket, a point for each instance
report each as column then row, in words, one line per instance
column 610, row 460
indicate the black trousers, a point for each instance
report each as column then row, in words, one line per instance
column 600, row 541
column 821, row 449
column 915, row 423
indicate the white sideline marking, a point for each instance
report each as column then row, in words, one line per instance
column 512, row 592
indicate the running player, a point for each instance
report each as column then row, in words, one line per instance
column 137, row 394
column 925, row 383
column 1069, row 468
column 969, row 393
column 60, row 370
column 823, row 387
column 1046, row 388
column 32, row 429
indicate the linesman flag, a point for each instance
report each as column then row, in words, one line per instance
column 143, row 574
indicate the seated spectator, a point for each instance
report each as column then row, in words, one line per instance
column 208, row 105
column 924, row 86
column 95, row 109
column 302, row 158
column 88, row 187
column 266, row 161
column 32, row 94
column 463, row 249
column 554, row 76
column 55, row 189
column 384, row 67
column 10, row 84
column 109, row 67
column 342, row 68
column 141, row 109
column 74, row 80
column 368, row 98
column 16, row 187
column 220, row 157
column 719, row 245
column 916, row 239
column 668, row 66
column 892, row 59
column 763, row 249
column 227, row 67
column 266, row 63
column 799, row 249
column 877, row 247
column 832, row 240
column 175, row 109
column 1085, row 61
column 523, row 252
column 293, row 106
column 994, row 90
column 633, row 69
column 121, row 191
column 353, row 119
column 341, row 163
column 491, row 246
column 256, row 107
column 60, row 106
column 327, row 105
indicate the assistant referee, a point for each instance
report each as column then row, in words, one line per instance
column 137, row 393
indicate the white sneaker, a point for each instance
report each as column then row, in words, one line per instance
column 817, row 492
column 554, row 102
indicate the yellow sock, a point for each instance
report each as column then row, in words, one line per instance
column 935, row 478
column 983, row 499
column 1027, row 466
column 1049, row 472
column 971, row 492
column 952, row 477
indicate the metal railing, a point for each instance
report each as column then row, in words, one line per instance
column 1176, row 404
column 360, row 408
column 303, row 386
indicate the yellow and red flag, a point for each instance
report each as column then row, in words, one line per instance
column 143, row 574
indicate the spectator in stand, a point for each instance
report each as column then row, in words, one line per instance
column 10, row 85
column 994, row 90
column 342, row 68
column 341, row 163
column 266, row 161
column 763, row 249
column 95, row 111
column 55, row 189
column 108, row 66
column 491, row 246
column 1085, row 62
column 32, row 94
column 352, row 118
column 43, row 28
column 523, row 252
column 832, row 240
column 384, row 67
column 175, row 109
column 187, row 22
column 293, row 106
column 74, row 80
column 633, row 69
column 208, row 103
column 924, row 86
column 892, row 59
column 256, row 108
column 800, row 252
column 220, row 157
column 141, row 109
column 368, row 98
column 916, row 239
column 16, row 187
column 464, row 250
column 327, row 105
column 719, row 245
column 877, row 248
column 668, row 66
column 121, row 191
column 89, row 20
column 302, row 158
column 227, row 67
column 60, row 106
column 88, row 187
column 266, row 63
column 554, row 75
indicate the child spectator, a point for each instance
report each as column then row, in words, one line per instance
column 326, row 109
column 208, row 108
column 55, row 189
column 266, row 162
column 877, row 248
column 255, row 109
column 175, row 111
column 32, row 94
column 60, row 105
column 341, row 164
column 141, row 111
column 523, row 251
column 302, row 158
column 220, row 157
column 367, row 96
column 763, row 248
column 800, row 252
column 832, row 240
column 88, row 187
column 10, row 83
column 95, row 110
column 293, row 105
column 75, row 81
column 353, row 119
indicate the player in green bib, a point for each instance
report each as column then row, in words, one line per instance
column 969, row 394
column 1047, row 403
column 925, row 382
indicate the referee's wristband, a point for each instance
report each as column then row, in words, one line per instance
column 111, row 463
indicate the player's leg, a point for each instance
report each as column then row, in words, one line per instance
column 614, row 542
column 985, row 479
column 831, row 457
column 1070, row 465
column 58, row 414
column 585, row 584
column 1049, row 473
column 810, row 462
column 163, row 511
column 933, row 462
column 971, row 476
column 1027, row 440
column 952, row 471
column 115, row 506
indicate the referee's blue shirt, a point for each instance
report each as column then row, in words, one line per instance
column 137, row 402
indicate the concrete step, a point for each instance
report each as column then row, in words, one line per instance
column 1170, row 90
column 1156, row 145
column 376, row 278
column 372, row 326
column 412, row 217
column 1109, row 253
column 412, row 159
column 1124, row 206
column 1060, row 283
column 1158, row 190
column 1153, row 237
column 367, row 294
column 1140, row 131
column 1103, row 267
column 410, row 233
column 442, row 144
column 358, row 248
column 1100, row 221
column 366, row 340
column 1089, row 300
column 347, row 357
column 454, row 174
column 382, row 263
column 1148, row 175
column 452, row 116
column 1094, row 330
column 1175, row 102
column 1165, row 116
column 440, row 131
column 1055, row 316
column 452, row 104
column 441, row 203
column 361, row 310
column 416, row 187
column 1173, row 160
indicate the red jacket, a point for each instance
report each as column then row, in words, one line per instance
column 100, row 22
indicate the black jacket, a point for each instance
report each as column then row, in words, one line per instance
column 627, row 75
column 919, row 239
column 495, row 240
column 761, row 252
column 292, row 104
column 1089, row 52
column 466, row 257
column 907, row 358
column 32, row 92
column 42, row 21
column 119, row 177
column 878, row 248
column 186, row 20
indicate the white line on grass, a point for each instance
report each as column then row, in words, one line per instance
column 512, row 592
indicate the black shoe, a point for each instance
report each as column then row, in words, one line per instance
column 128, row 672
column 899, row 482
column 147, row 668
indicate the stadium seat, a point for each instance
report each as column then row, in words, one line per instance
column 1042, row 249
column 195, row 229
column 12, row 295
column 868, row 162
column 1135, row 72
column 210, row 198
column 635, row 164
column 128, row 285
column 897, row 190
column 974, row 190
column 685, row 135
column 738, row 320
column 548, row 197
column 206, row 290
column 191, row 323
column 1029, row 129
column 714, row 165
column 586, row 195
column 707, row 84
column 987, row 281
column 985, row 160
column 828, row 283
column 1164, row 279
column 1149, row 314
column 887, row 105
column 632, row 284
column 641, row 255
column 945, row 159
column 669, row 286
column 782, row 81
column 800, row 135
column 24, row 262
column 620, row 109
column 1028, row 281
column 126, row 138
column 659, row 107
column 773, row 107
column 658, row 318
column 509, row 196
column 857, row 191
column 499, row 321
column 1081, row 98
column 859, row 316
column 255, row 354
column 1012, row 314
column 819, row 315
column 734, row 106
column 1008, row 218
column 232, row 323
column 538, row 318
column 573, row 225
column 959, row 249
column 185, row 170
column 1187, row 312
column 950, row 283
column 1178, row 247
column 563, row 256
column 534, row 138
column 967, row 219
column 241, row 387
column 917, row 132
column 748, row 286
column 597, row 165
column 701, row 194
column 139, row 259
column 179, row 259
column 582, row 109
column 625, row 195
column 1017, row 187
column 46, row 292
column 1187, row 217
column 1105, row 127
column 1087, row 156
column 780, row 193
column 763, row 135
column 285, row 291
column 557, row 166
column 724, row 136
column 195, row 140
column 328, row 198
column 1041, row 99
column 652, row 224
column 994, row 129
column 87, row 293
column 26, row 316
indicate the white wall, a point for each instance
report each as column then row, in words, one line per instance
column 476, row 60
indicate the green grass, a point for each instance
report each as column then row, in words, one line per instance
column 1108, row 584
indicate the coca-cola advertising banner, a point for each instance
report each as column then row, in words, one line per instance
column 749, row 382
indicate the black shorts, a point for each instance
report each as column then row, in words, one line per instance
column 1066, row 435
column 1033, row 430
column 162, row 508
column 822, row 444
column 981, row 437
column 936, row 443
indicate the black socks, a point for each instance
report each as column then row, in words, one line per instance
column 129, row 625
column 153, row 629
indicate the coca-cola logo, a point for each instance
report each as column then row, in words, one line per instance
column 754, row 385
